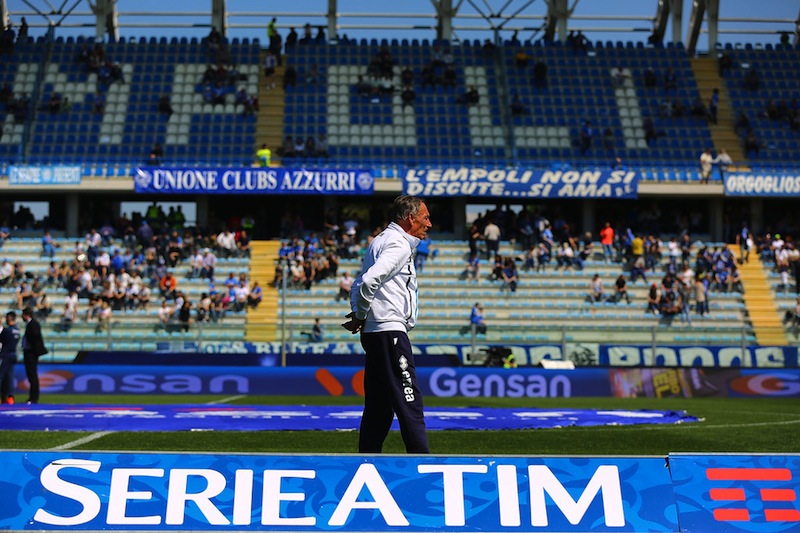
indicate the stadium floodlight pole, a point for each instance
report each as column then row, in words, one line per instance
column 285, row 272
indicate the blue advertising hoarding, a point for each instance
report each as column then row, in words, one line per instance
column 445, row 381
column 44, row 175
column 109, row 491
column 253, row 180
column 741, row 184
column 521, row 183
column 736, row 493
column 325, row 381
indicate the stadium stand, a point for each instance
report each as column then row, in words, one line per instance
column 547, row 307
column 128, row 330
column 129, row 124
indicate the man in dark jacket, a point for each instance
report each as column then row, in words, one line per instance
column 9, row 338
column 32, row 349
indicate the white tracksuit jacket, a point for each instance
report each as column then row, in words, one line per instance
column 385, row 294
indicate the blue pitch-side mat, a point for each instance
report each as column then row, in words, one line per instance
column 298, row 418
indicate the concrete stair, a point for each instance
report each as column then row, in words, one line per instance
column 723, row 134
column 760, row 302
column 269, row 128
column 262, row 323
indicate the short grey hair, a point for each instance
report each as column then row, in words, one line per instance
column 405, row 205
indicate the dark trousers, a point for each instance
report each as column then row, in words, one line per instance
column 32, row 371
column 391, row 388
column 7, row 364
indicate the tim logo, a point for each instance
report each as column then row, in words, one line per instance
column 773, row 500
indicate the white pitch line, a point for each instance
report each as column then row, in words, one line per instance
column 228, row 399
column 690, row 425
column 82, row 440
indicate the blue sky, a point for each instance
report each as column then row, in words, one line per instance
column 249, row 17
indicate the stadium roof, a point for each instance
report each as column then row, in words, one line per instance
column 629, row 20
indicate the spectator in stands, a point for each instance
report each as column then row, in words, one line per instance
column 322, row 145
column 54, row 104
column 6, row 273
column 618, row 76
column 509, row 275
column 654, row 300
column 314, row 76
column 164, row 106
column 449, row 77
column 597, row 292
column 473, row 268
column 168, row 286
column 156, row 155
column 517, row 107
column 317, row 331
column 607, row 241
column 291, row 40
column 7, row 41
column 270, row 63
column 408, row 96
column 470, row 97
column 255, row 295
column 713, row 106
column 521, row 58
column 226, row 243
column 540, row 74
column 44, row 308
column 24, row 295
column 670, row 80
column 477, row 321
column 22, row 34
column 723, row 161
column 751, row 80
column 289, row 77
column 700, row 297
column 585, row 140
column 165, row 313
column 273, row 37
column 68, row 318
column 264, row 156
column 99, row 103
column 792, row 317
column 725, row 63
column 406, row 76
column 491, row 236
column 49, row 245
column 620, row 290
column 638, row 269
column 752, row 146
column 742, row 124
column 706, row 161
column 243, row 244
column 103, row 318
column 650, row 133
column 650, row 78
column 299, row 147
column 608, row 140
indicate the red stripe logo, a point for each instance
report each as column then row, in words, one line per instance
column 739, row 494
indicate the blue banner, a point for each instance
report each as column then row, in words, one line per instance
column 582, row 354
column 521, row 183
column 44, row 175
column 699, row 356
column 185, row 492
column 736, row 493
column 204, row 417
column 312, row 381
column 253, row 180
column 737, row 184
column 446, row 381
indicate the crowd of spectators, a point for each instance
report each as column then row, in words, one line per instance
column 116, row 269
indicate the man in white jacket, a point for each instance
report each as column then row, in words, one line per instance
column 383, row 302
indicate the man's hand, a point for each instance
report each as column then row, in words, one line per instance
column 354, row 325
